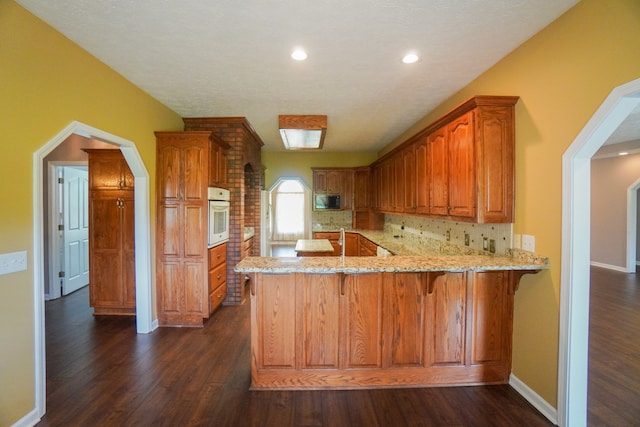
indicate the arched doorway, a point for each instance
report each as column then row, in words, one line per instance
column 144, row 321
column 574, row 288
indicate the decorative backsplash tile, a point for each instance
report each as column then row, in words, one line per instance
column 419, row 229
column 331, row 219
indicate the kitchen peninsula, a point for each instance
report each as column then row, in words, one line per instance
column 370, row 322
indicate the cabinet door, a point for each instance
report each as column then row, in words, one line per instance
column 404, row 319
column 353, row 247
column 320, row 294
column 346, row 194
column 361, row 320
column 361, row 189
column 320, row 181
column 422, row 178
column 195, row 160
column 169, row 164
column 273, row 309
column 446, row 319
column 109, row 171
column 334, row 182
column 105, row 250
column 462, row 178
column 399, row 183
column 409, row 183
column 438, row 172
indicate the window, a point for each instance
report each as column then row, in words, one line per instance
column 290, row 211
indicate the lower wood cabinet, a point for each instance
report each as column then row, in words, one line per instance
column 381, row 329
column 217, row 276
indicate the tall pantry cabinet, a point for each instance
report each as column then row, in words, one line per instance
column 183, row 173
column 111, row 234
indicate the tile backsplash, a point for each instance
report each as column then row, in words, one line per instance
column 418, row 228
column 421, row 229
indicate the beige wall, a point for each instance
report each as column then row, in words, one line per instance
column 610, row 179
column 48, row 82
column 562, row 76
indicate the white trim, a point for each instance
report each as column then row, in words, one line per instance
column 29, row 420
column 574, row 282
column 632, row 222
column 144, row 321
column 534, row 398
column 608, row 266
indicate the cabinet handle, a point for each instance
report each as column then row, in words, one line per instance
column 219, row 276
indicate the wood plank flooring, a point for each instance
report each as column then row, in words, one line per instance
column 614, row 349
column 101, row 373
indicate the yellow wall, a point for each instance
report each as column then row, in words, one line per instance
column 46, row 82
column 562, row 75
column 281, row 164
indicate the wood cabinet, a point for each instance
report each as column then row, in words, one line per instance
column 367, row 247
column 461, row 167
column 332, row 237
column 381, row 329
column 111, row 234
column 217, row 260
column 218, row 163
column 182, row 177
column 361, row 187
column 335, row 181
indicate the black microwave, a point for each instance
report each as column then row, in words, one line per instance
column 327, row 201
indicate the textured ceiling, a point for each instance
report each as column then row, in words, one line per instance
column 205, row 58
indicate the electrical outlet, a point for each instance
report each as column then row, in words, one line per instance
column 485, row 243
column 448, row 235
column 492, row 246
column 528, row 243
column 466, row 239
column 12, row 262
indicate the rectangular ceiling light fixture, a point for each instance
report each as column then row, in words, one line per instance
column 302, row 132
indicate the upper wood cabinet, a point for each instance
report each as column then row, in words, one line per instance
column 109, row 170
column 218, row 165
column 361, row 187
column 335, row 181
column 461, row 167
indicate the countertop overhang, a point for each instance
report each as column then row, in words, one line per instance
column 390, row 264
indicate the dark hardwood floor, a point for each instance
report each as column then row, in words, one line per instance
column 101, row 373
column 614, row 349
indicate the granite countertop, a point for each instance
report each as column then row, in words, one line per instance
column 313, row 245
column 408, row 256
column 393, row 264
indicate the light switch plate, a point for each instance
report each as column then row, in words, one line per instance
column 13, row 262
column 528, row 243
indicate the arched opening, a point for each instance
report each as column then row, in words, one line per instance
column 574, row 292
column 144, row 321
column 291, row 215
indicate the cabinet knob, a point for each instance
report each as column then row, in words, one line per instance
column 219, row 276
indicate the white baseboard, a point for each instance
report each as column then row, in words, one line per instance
column 154, row 325
column 534, row 398
column 609, row 266
column 28, row 420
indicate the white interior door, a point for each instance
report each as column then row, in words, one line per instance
column 75, row 234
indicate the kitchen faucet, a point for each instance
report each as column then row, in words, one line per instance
column 341, row 241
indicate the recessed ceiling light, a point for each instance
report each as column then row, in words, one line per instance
column 299, row 54
column 410, row 58
column 622, row 153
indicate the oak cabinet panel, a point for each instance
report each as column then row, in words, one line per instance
column 218, row 165
column 492, row 312
column 409, row 179
column 422, row 185
column 183, row 173
column 362, row 321
column 320, row 295
column 274, row 313
column 361, row 189
column 405, row 319
column 446, row 319
column 438, row 170
column 462, row 180
column 111, row 233
column 217, row 261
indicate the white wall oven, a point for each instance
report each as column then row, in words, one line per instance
column 218, row 216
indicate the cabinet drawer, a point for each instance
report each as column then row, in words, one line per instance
column 217, row 255
column 217, row 276
column 217, row 296
column 326, row 235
